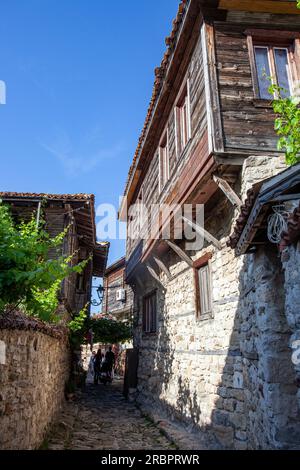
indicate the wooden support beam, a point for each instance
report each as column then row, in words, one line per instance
column 235, row 161
column 182, row 254
column 163, row 267
column 228, row 191
column 154, row 275
column 286, row 197
column 204, row 233
column 215, row 128
column 265, row 6
column 138, row 283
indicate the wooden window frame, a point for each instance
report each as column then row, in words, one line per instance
column 164, row 161
column 151, row 332
column 274, row 39
column 80, row 282
column 205, row 260
column 183, row 100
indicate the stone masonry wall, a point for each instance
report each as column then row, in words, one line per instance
column 269, row 378
column 192, row 369
column 230, row 375
column 291, row 265
column 34, row 368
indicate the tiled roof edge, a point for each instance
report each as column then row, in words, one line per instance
column 160, row 73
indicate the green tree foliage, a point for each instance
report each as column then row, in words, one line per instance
column 79, row 327
column 105, row 328
column 287, row 124
column 109, row 331
column 28, row 277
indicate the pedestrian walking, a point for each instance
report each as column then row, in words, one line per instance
column 97, row 366
column 110, row 360
column 91, row 367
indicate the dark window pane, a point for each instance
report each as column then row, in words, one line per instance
column 263, row 72
column 281, row 61
column 149, row 314
column 204, row 289
column 153, row 314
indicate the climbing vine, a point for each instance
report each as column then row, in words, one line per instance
column 79, row 327
column 287, row 122
column 110, row 331
column 29, row 278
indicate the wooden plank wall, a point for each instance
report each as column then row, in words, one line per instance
column 197, row 94
column 150, row 186
column 246, row 125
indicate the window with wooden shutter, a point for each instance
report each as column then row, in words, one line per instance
column 203, row 295
column 150, row 313
column 183, row 120
column 204, row 289
column 164, row 165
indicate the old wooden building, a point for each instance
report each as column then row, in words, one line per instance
column 208, row 138
column 60, row 211
column 118, row 296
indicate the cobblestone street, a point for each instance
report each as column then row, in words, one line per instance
column 101, row 419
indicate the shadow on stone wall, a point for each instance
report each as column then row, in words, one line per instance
column 255, row 400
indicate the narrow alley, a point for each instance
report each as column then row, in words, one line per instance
column 149, row 268
column 100, row 418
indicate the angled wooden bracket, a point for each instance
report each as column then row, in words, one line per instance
column 154, row 275
column 228, row 191
column 139, row 283
column 163, row 267
column 204, row 233
column 235, row 161
column 180, row 253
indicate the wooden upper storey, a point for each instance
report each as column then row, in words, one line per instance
column 208, row 101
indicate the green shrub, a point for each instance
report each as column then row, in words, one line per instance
column 29, row 279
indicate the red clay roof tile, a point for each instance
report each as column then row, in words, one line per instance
column 79, row 197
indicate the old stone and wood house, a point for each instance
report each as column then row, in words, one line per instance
column 60, row 211
column 118, row 296
column 213, row 328
column 34, row 356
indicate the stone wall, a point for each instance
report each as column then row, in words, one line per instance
column 230, row 375
column 192, row 368
column 269, row 378
column 259, row 168
column 34, row 367
column 291, row 265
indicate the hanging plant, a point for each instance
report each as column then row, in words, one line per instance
column 110, row 331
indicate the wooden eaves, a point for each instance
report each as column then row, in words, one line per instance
column 273, row 191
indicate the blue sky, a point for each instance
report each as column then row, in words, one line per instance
column 79, row 76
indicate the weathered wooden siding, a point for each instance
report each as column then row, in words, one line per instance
column 197, row 93
column 247, row 125
column 150, row 191
column 172, row 142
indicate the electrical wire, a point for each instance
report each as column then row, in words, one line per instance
column 277, row 224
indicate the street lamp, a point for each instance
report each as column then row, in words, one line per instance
column 100, row 294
